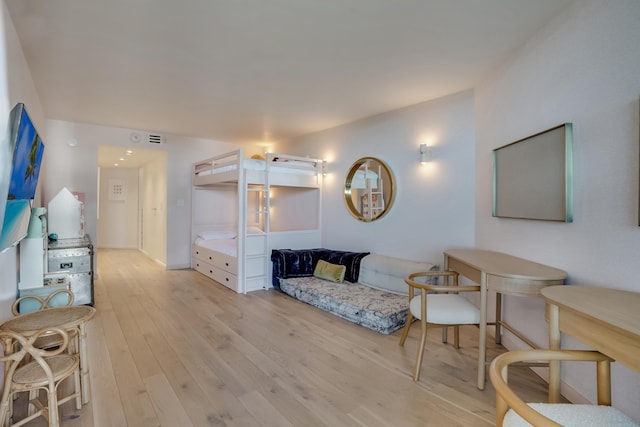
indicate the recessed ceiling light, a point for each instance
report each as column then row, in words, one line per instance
column 129, row 152
column 122, row 159
column 115, row 164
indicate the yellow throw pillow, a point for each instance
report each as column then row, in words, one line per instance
column 328, row 271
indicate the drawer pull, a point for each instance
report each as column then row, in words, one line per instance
column 227, row 264
column 226, row 278
column 210, row 258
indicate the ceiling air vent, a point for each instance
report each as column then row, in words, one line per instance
column 155, row 138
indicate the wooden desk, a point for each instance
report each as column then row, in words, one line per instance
column 608, row 320
column 504, row 274
column 68, row 317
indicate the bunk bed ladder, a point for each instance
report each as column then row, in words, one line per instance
column 267, row 223
column 256, row 245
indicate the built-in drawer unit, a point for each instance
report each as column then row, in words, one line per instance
column 224, row 277
column 218, row 266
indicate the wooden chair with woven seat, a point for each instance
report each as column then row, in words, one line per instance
column 514, row 412
column 46, row 370
column 438, row 305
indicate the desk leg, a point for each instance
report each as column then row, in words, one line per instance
column 498, row 318
column 482, row 345
column 445, row 329
column 84, row 366
column 554, row 344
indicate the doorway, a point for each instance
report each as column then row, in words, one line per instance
column 132, row 196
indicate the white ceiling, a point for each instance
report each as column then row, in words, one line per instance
column 261, row 70
column 110, row 156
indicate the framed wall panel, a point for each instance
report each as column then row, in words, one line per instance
column 532, row 177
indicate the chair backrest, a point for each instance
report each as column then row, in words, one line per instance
column 422, row 281
column 39, row 303
column 506, row 398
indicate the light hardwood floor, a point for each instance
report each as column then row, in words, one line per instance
column 173, row 348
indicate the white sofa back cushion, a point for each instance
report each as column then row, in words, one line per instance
column 387, row 273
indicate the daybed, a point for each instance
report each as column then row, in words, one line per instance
column 373, row 293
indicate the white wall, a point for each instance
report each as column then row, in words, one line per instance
column 434, row 205
column 584, row 68
column 16, row 85
column 76, row 168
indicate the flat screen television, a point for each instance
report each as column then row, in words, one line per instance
column 532, row 177
column 26, row 149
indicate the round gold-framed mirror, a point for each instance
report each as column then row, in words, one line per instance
column 369, row 189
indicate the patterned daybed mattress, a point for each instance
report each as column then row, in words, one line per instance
column 373, row 293
column 384, row 312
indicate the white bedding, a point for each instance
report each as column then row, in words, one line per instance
column 300, row 168
column 226, row 246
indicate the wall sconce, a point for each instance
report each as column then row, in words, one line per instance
column 425, row 153
column 325, row 167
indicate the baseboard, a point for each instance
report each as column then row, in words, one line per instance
column 178, row 266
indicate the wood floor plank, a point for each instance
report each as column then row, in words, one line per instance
column 169, row 410
column 263, row 411
column 217, row 382
column 106, row 402
column 174, row 348
column 136, row 402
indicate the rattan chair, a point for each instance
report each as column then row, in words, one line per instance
column 439, row 305
column 48, row 341
column 51, row 340
column 46, row 370
column 514, row 412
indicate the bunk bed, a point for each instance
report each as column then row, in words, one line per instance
column 244, row 208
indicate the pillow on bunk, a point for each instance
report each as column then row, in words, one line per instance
column 299, row 163
column 257, row 157
column 217, row 235
column 328, row 271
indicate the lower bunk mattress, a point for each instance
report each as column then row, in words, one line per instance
column 381, row 311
